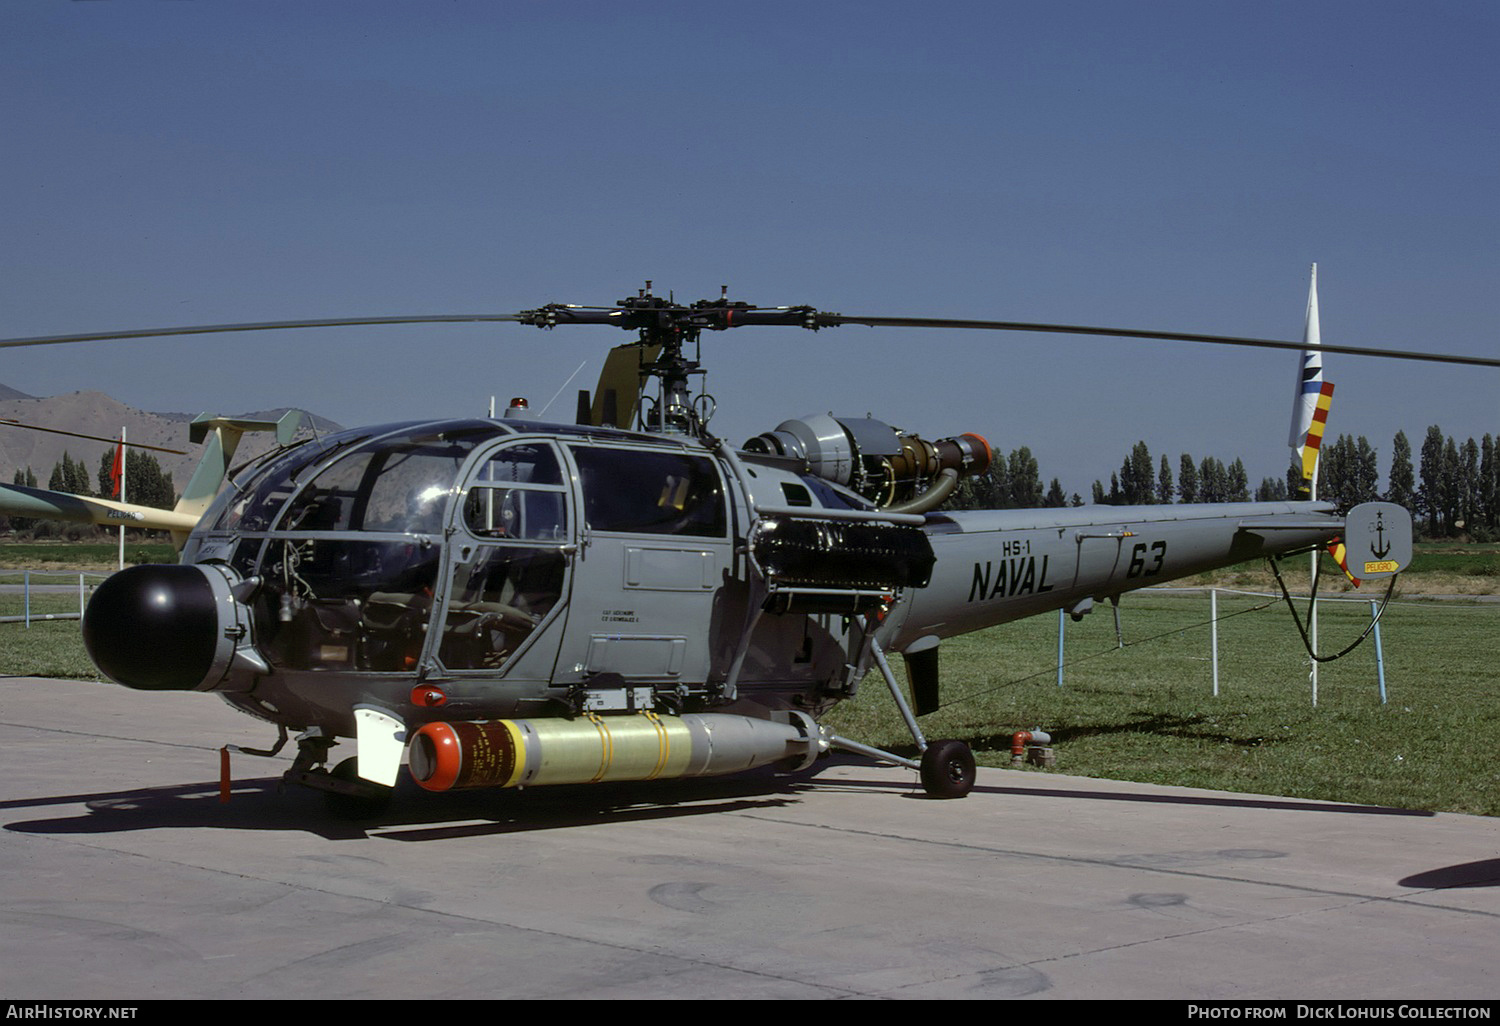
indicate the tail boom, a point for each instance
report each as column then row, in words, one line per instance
column 1002, row 565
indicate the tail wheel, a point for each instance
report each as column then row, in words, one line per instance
column 947, row 769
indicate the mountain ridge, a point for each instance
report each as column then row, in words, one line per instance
column 97, row 413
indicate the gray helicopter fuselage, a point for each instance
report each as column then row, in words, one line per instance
column 518, row 569
column 527, row 569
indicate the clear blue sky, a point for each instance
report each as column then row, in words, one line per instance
column 1156, row 165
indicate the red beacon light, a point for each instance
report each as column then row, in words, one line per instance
column 425, row 696
column 519, row 408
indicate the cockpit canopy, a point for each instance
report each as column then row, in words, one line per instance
column 367, row 543
column 392, row 479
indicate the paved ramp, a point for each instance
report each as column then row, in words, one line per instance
column 126, row 878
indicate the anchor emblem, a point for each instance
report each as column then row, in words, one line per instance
column 1379, row 549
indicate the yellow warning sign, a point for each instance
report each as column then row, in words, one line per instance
column 1384, row 566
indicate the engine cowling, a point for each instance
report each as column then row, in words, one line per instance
column 889, row 467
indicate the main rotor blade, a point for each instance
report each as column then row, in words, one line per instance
column 207, row 329
column 9, row 422
column 607, row 314
column 832, row 320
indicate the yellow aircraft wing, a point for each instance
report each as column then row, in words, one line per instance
column 20, row 501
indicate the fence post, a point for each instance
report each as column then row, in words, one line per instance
column 1060, row 614
column 1213, row 619
column 1379, row 654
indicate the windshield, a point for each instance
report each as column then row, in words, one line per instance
column 250, row 503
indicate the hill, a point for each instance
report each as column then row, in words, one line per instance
column 95, row 413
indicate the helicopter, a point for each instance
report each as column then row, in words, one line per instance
column 509, row 602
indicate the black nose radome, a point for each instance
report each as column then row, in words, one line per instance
column 153, row 627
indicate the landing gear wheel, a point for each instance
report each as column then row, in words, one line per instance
column 370, row 802
column 947, row 769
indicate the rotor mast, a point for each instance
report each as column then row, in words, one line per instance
column 669, row 329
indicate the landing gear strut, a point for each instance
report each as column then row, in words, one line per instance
column 947, row 767
column 345, row 793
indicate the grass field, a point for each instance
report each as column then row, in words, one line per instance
column 93, row 557
column 1147, row 712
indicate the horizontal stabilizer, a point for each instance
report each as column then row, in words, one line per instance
column 285, row 427
column 223, row 437
column 1285, row 522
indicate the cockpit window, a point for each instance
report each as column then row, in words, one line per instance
column 517, row 493
column 505, row 587
column 532, row 463
column 345, row 603
column 252, row 502
column 332, row 597
column 399, row 487
column 500, row 594
column 643, row 492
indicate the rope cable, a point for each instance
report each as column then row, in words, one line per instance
column 1104, row 652
column 1306, row 642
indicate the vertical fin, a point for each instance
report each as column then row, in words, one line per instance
column 222, row 435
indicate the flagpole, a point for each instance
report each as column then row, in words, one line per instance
column 123, row 457
column 1312, row 619
column 1310, row 401
column 1311, row 334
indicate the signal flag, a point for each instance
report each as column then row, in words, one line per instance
column 117, row 470
column 1341, row 557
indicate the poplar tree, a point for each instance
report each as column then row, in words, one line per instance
column 1213, row 481
column 1402, row 487
column 1237, row 483
column 1430, row 495
column 1365, row 473
column 1468, row 485
column 1452, row 487
column 69, row 476
column 1025, row 480
column 145, row 482
column 25, row 479
column 1137, row 482
column 1187, row 480
column 1271, row 490
column 1331, row 470
column 1489, row 487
